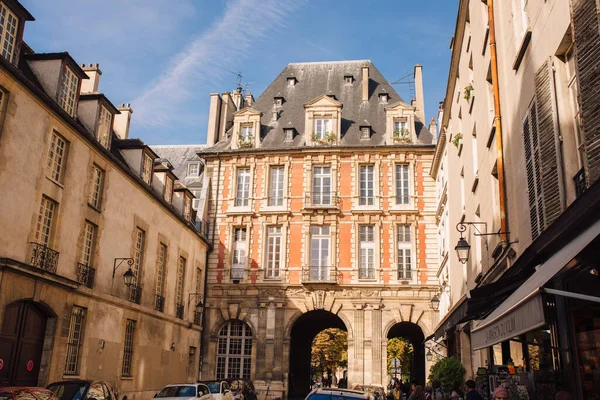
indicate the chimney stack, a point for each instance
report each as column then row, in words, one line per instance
column 122, row 121
column 91, row 85
column 420, row 102
column 433, row 128
column 249, row 99
column 365, row 83
column 214, row 118
column 238, row 100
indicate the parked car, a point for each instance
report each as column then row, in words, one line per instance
column 336, row 394
column 26, row 393
column 82, row 389
column 375, row 391
column 185, row 391
column 243, row 389
column 219, row 389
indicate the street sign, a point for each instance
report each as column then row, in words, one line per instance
column 395, row 362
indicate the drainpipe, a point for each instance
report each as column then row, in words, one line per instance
column 212, row 241
column 498, row 124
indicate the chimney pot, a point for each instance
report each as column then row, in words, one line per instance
column 93, row 72
column 123, row 121
column 365, row 83
column 420, row 101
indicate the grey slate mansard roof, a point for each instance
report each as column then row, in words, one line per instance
column 179, row 156
column 315, row 79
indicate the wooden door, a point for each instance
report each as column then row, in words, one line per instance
column 21, row 344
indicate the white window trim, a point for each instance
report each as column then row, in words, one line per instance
column 376, row 187
column 47, row 205
column 325, row 123
column 282, row 252
column 97, row 187
column 413, row 254
column 67, row 92
column 332, row 186
column 52, row 159
column 245, row 247
column 13, row 34
column 332, row 255
column 376, row 251
column 267, row 180
column 411, row 188
column 234, row 186
column 190, row 166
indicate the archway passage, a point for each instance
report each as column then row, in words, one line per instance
column 414, row 334
column 303, row 333
column 21, row 344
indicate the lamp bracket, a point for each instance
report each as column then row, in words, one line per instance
column 462, row 226
column 120, row 260
column 197, row 296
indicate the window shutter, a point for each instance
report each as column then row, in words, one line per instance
column 532, row 163
column 549, row 143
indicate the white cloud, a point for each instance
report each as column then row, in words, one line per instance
column 223, row 44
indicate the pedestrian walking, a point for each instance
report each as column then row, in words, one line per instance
column 472, row 393
column 418, row 393
column 501, row 393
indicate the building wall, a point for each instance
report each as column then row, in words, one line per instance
column 24, row 143
column 368, row 307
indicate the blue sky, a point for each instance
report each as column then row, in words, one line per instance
column 166, row 56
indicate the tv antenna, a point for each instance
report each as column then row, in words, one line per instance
column 405, row 80
column 239, row 76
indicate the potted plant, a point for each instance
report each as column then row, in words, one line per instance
column 402, row 136
column 457, row 139
column 245, row 142
column 446, row 371
column 328, row 138
column 468, row 89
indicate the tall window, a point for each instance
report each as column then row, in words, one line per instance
column 74, row 341
column 234, row 351
column 104, row 125
column 56, row 157
column 572, row 81
column 276, row 186
column 196, row 199
column 274, row 251
column 238, row 263
column 44, row 225
column 520, row 23
column 321, row 187
column 402, row 184
column 246, row 133
column 242, row 193
column 89, row 236
column 179, row 288
column 319, row 253
column 367, row 252
column 147, row 169
column 161, row 262
column 367, row 185
column 128, row 348
column 68, row 91
column 97, row 185
column 533, row 166
column 138, row 259
column 404, row 252
column 322, row 128
column 400, row 128
column 168, row 190
column 187, row 208
column 8, row 32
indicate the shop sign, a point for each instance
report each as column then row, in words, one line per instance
column 524, row 318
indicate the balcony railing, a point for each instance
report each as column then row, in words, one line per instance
column 366, row 273
column 276, row 201
column 237, row 273
column 179, row 311
column 44, row 258
column 135, row 294
column 580, row 182
column 405, row 274
column 320, row 274
column 85, row 275
column 197, row 318
column 321, row 199
column 159, row 303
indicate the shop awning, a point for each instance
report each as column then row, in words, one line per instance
column 523, row 310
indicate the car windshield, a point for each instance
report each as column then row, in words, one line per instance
column 214, row 387
column 69, row 390
column 178, row 391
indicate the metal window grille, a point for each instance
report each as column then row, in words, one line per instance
column 321, row 187
column 367, row 185
column 404, row 252
column 97, row 183
column 234, row 351
column 128, row 348
column 8, row 32
column 402, row 184
column 367, row 252
column 276, row 186
column 75, row 339
column 242, row 187
column 138, row 258
column 68, row 91
column 104, row 127
column 274, row 251
column 56, row 157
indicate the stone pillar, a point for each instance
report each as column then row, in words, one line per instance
column 357, row 366
column 377, row 373
column 261, row 342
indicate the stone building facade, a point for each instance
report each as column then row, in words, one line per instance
column 324, row 216
column 83, row 207
column 516, row 161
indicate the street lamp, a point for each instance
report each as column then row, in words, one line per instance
column 462, row 249
column 429, row 355
column 129, row 275
column 199, row 305
column 435, row 303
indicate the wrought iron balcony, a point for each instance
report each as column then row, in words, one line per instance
column 85, row 275
column 135, row 294
column 179, row 311
column 321, row 199
column 405, row 274
column 320, row 274
column 580, row 182
column 197, row 318
column 44, row 258
column 159, row 303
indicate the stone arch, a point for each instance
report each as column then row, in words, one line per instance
column 415, row 334
column 298, row 314
column 214, row 332
column 239, row 363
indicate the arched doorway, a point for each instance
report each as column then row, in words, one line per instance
column 234, row 350
column 21, row 343
column 304, row 330
column 413, row 334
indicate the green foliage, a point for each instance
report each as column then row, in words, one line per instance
column 401, row 349
column 402, row 136
column 447, row 371
column 244, row 144
column 457, row 139
column 329, row 350
column 328, row 138
column 468, row 89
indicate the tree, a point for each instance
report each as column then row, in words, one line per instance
column 447, row 371
column 401, row 349
column 329, row 350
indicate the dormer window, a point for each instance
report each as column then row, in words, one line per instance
column 193, row 169
column 68, row 91
column 291, row 81
column 147, row 169
column 322, row 128
column 349, row 79
column 278, row 101
column 187, row 209
column 289, row 134
column 8, row 32
column 365, row 132
column 246, row 133
column 383, row 97
column 104, row 127
column 168, row 195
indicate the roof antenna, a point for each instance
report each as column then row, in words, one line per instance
column 241, row 87
column 405, row 80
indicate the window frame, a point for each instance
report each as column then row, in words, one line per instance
column 321, row 270
column 128, row 349
column 274, row 199
column 322, row 194
column 325, row 123
column 225, row 340
column 168, row 189
column 48, row 226
column 190, row 168
column 400, row 249
column 97, row 187
column 88, row 246
column 238, row 246
column 14, row 33
column 369, row 199
column 105, row 119
column 69, row 91
column 180, row 283
column 408, row 186
column 274, row 260
column 75, row 338
column 161, row 269
column 244, row 200
column 139, row 247
column 147, row 168
column 246, row 132
column 365, row 247
column 57, row 163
